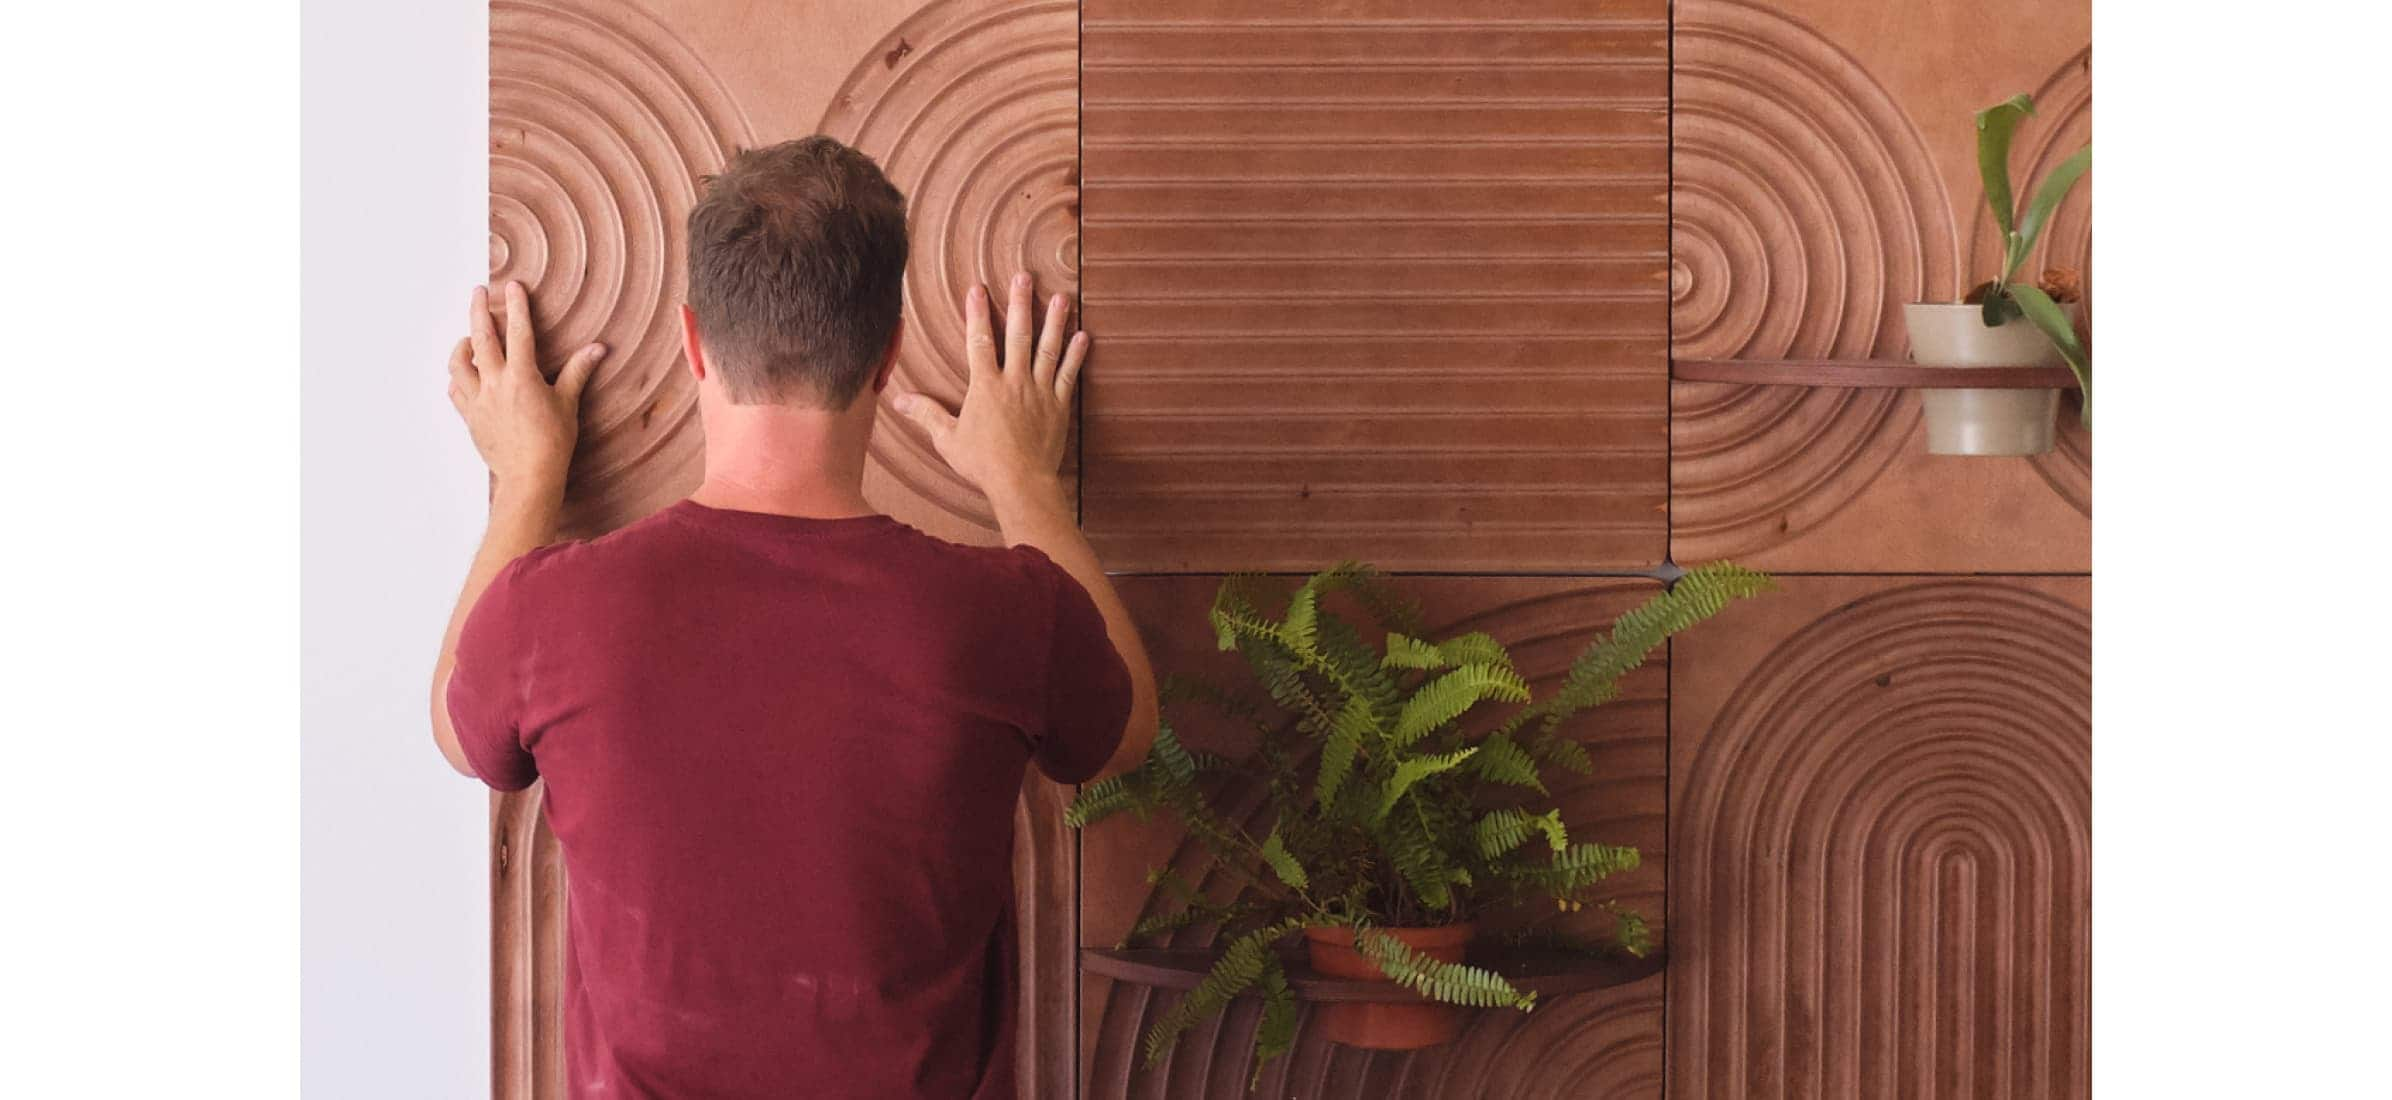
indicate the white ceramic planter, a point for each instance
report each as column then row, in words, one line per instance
column 1983, row 422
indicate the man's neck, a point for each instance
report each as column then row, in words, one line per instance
column 786, row 460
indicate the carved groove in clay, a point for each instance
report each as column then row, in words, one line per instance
column 1389, row 278
column 1881, row 847
column 527, row 926
column 600, row 125
column 973, row 111
column 1806, row 211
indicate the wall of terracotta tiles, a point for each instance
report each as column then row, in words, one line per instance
column 1402, row 281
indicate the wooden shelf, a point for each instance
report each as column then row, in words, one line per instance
column 1868, row 374
column 1543, row 971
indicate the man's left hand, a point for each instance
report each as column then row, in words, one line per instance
column 523, row 425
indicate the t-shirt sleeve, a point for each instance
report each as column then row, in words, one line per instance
column 486, row 690
column 1087, row 685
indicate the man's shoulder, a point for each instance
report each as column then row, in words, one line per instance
column 634, row 540
column 1019, row 565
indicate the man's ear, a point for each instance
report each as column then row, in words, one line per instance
column 691, row 348
column 888, row 363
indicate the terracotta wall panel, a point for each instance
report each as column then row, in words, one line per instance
column 604, row 116
column 1823, row 175
column 1880, row 842
column 1605, row 1043
column 1387, row 278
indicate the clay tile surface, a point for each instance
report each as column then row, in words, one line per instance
column 1824, row 174
column 1387, row 280
column 1880, row 841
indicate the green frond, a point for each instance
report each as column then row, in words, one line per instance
column 1501, row 760
column 1370, row 589
column 1275, row 1035
column 1356, row 666
column 1580, row 866
column 1553, row 748
column 1234, row 614
column 1241, row 966
column 1451, row 983
column 1406, row 651
column 1632, row 933
column 1178, row 689
column 1445, row 698
column 1174, row 769
column 1283, row 863
column 1353, row 723
column 1701, row 593
column 1299, row 627
column 1100, row 800
column 1475, row 648
column 1413, row 846
column 1500, row 831
column 1191, row 912
column 1411, row 772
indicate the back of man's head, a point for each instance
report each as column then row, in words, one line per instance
column 797, row 272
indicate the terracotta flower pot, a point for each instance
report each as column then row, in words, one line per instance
column 1983, row 422
column 1385, row 1026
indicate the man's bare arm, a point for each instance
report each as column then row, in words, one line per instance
column 1009, row 441
column 524, row 428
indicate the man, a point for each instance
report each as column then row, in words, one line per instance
column 783, row 735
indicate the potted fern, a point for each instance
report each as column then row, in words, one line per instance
column 1983, row 329
column 1406, row 799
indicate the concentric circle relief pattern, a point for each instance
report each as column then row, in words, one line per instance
column 1600, row 1043
column 1805, row 211
column 972, row 109
column 2062, row 124
column 1882, row 865
column 601, row 124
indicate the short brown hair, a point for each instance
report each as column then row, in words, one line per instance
column 797, row 271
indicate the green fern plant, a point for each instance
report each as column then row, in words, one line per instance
column 1388, row 803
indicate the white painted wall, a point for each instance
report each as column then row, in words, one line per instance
column 394, row 952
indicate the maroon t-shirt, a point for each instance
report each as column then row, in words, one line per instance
column 782, row 757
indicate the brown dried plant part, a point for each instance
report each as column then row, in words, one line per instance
column 2064, row 284
column 1976, row 294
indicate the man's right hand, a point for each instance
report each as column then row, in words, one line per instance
column 1009, row 442
column 1009, row 438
